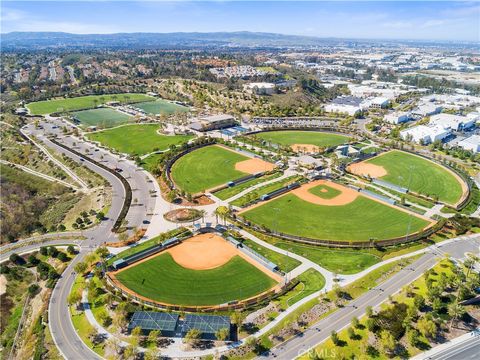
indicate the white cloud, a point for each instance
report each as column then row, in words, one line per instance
column 11, row 15
column 398, row 24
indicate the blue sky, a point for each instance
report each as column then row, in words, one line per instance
column 436, row 20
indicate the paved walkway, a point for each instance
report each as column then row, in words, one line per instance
column 39, row 174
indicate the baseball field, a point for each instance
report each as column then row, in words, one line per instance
column 137, row 139
column 103, row 117
column 203, row 270
column 160, row 107
column 211, row 166
column 82, row 102
column 303, row 140
column 347, row 216
column 414, row 173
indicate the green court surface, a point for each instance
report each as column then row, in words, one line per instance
column 419, row 175
column 361, row 220
column 102, row 117
column 163, row 280
column 137, row 139
column 82, row 102
column 291, row 137
column 324, row 191
column 160, row 107
column 205, row 168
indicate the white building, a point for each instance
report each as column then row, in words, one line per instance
column 427, row 109
column 377, row 102
column 454, row 122
column 397, row 117
column 471, row 143
column 425, row 134
column 350, row 105
column 260, row 88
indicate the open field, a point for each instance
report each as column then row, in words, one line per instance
column 415, row 173
column 361, row 219
column 81, row 102
column 206, row 168
column 341, row 261
column 295, row 137
column 102, row 117
column 237, row 279
column 160, row 107
column 137, row 139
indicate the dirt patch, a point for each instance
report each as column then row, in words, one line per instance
column 253, row 166
column 305, row 148
column 183, row 215
column 366, row 169
column 3, row 284
column 202, row 252
column 347, row 195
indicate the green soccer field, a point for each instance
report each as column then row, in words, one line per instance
column 320, row 139
column 161, row 107
column 419, row 175
column 163, row 280
column 82, row 102
column 361, row 220
column 137, row 139
column 206, row 168
column 102, row 117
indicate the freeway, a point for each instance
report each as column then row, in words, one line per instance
column 341, row 318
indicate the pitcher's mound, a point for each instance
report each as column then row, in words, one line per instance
column 203, row 252
column 253, row 166
column 366, row 169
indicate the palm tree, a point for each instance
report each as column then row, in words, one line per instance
column 455, row 310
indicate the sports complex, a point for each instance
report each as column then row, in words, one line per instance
column 203, row 272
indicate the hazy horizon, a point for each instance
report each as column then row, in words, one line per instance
column 376, row 20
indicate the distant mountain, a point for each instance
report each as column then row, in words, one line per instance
column 59, row 40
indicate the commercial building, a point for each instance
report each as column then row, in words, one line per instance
column 471, row 143
column 260, row 88
column 377, row 102
column 213, row 122
column 453, row 122
column 350, row 105
column 397, row 117
column 427, row 109
column 425, row 134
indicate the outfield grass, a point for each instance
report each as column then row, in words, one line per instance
column 206, row 168
column 360, row 220
column 338, row 261
column 161, row 107
column 320, row 139
column 138, row 139
column 324, row 191
column 103, row 117
column 162, row 279
column 419, row 175
column 81, row 102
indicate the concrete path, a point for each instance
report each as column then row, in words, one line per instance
column 39, row 174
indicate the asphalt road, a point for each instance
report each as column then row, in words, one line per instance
column 341, row 318
column 60, row 323
column 463, row 351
